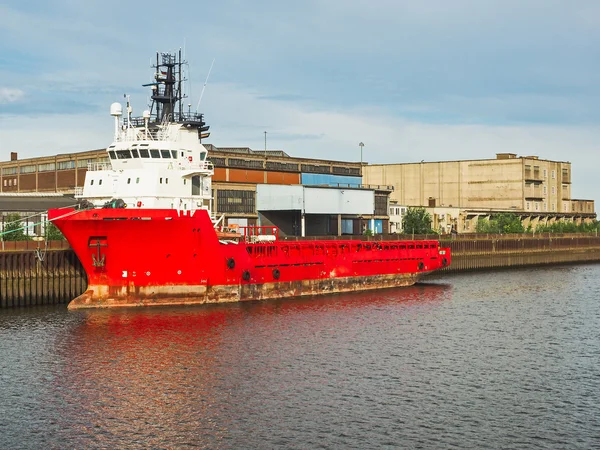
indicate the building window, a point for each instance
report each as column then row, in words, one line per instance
column 10, row 182
column 553, row 190
column 9, row 171
column 15, row 181
column 537, row 206
column 234, row 201
column 46, row 167
column 553, row 206
column 27, row 169
column 528, row 206
column 545, row 206
column 83, row 163
column 65, row 165
column 544, row 190
column 545, row 173
column 553, row 174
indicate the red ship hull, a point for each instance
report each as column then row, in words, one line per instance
column 165, row 257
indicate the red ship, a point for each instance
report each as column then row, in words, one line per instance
column 145, row 235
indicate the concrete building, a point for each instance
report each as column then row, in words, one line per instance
column 460, row 192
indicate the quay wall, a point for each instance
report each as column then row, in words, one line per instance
column 40, row 277
column 483, row 254
column 30, row 275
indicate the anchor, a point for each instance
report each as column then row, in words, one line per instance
column 99, row 259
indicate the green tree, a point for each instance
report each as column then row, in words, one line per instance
column 509, row 223
column 567, row 226
column 13, row 228
column 500, row 223
column 53, row 233
column 417, row 221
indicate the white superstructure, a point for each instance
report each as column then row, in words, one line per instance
column 158, row 164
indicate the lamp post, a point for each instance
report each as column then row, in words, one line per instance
column 361, row 145
column 265, row 144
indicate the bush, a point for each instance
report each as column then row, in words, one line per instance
column 53, row 233
column 13, row 228
column 417, row 221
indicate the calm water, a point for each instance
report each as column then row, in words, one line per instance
column 509, row 359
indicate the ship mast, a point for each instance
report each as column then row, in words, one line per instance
column 167, row 95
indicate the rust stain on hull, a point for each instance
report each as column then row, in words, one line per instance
column 129, row 296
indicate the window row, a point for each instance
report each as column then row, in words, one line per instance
column 143, row 153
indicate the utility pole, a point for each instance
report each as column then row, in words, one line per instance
column 361, row 145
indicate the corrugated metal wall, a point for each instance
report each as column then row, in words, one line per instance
column 315, row 179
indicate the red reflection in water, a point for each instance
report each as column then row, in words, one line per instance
column 145, row 370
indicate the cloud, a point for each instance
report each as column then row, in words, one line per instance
column 427, row 79
column 10, row 95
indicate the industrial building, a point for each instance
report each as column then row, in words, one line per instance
column 458, row 193
column 238, row 172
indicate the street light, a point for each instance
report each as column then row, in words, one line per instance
column 361, row 145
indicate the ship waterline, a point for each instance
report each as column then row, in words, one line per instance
column 104, row 296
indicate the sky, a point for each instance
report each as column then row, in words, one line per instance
column 413, row 80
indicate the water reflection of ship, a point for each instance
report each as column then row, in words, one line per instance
column 188, row 368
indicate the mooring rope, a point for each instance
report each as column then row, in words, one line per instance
column 70, row 213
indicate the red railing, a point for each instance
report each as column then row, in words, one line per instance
column 259, row 234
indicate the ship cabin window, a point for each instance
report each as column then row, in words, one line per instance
column 202, row 156
column 123, row 154
column 182, row 154
column 128, row 180
column 144, row 153
column 91, row 182
column 165, row 153
column 166, row 181
column 161, row 181
column 135, row 153
column 137, row 180
column 154, row 153
column 100, row 182
column 174, row 153
column 112, row 154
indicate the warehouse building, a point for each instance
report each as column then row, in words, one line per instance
column 459, row 193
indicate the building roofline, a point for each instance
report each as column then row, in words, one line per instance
column 518, row 158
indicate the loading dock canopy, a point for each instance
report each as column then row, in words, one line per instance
column 314, row 200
